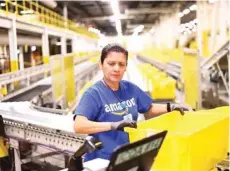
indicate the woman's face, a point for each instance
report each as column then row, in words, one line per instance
column 114, row 66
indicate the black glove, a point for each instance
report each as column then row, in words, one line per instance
column 119, row 126
column 178, row 107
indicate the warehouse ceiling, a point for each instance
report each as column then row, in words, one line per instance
column 98, row 14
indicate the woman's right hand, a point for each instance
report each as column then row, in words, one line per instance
column 119, row 126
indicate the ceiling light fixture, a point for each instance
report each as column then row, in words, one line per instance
column 211, row 1
column 115, row 7
column 27, row 12
column 186, row 11
column 33, row 48
column 138, row 29
column 180, row 14
column 152, row 30
column 2, row 4
column 94, row 30
column 193, row 7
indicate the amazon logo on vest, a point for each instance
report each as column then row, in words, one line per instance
column 116, row 108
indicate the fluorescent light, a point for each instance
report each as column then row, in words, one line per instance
column 180, row 14
column 189, row 31
column 186, row 11
column 211, row 1
column 2, row 4
column 193, row 7
column 186, row 24
column 94, row 30
column 182, row 26
column 112, row 18
column 195, row 20
column 190, row 26
column 139, row 28
column 33, row 48
column 185, row 33
column 27, row 12
column 118, row 27
column 152, row 30
column 115, row 7
column 134, row 34
column 58, row 43
column 90, row 29
column 194, row 29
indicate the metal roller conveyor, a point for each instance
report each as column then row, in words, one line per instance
column 22, row 122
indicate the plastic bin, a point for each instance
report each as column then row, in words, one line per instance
column 195, row 141
column 164, row 89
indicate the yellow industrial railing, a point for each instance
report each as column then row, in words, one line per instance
column 33, row 12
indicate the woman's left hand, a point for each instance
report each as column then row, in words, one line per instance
column 180, row 107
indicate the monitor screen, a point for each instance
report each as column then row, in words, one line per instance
column 138, row 156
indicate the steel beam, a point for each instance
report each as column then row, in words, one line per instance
column 148, row 11
column 45, row 43
column 5, row 23
column 12, row 33
column 29, row 27
column 111, row 17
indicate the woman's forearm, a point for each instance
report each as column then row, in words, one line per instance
column 157, row 109
column 84, row 126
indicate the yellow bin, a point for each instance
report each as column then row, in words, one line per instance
column 195, row 142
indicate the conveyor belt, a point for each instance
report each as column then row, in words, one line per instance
column 212, row 60
column 28, row 95
column 22, row 122
column 173, row 69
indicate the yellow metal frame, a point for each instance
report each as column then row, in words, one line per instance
column 58, row 77
column 3, row 148
column 205, row 44
column 45, row 16
column 69, row 79
column 190, row 76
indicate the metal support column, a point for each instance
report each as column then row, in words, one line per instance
column 223, row 20
column 63, row 45
column 228, row 62
column 229, row 58
column 63, row 54
column 214, row 27
column 21, row 58
column 12, row 34
column 203, row 27
column 65, row 14
column 74, row 45
column 199, row 26
column 199, row 81
column 45, row 46
column 17, row 160
column 192, row 78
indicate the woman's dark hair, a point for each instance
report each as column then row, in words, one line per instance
column 113, row 47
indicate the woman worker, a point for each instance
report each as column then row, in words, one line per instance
column 112, row 104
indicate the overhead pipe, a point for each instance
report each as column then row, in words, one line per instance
column 21, row 40
column 51, row 3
